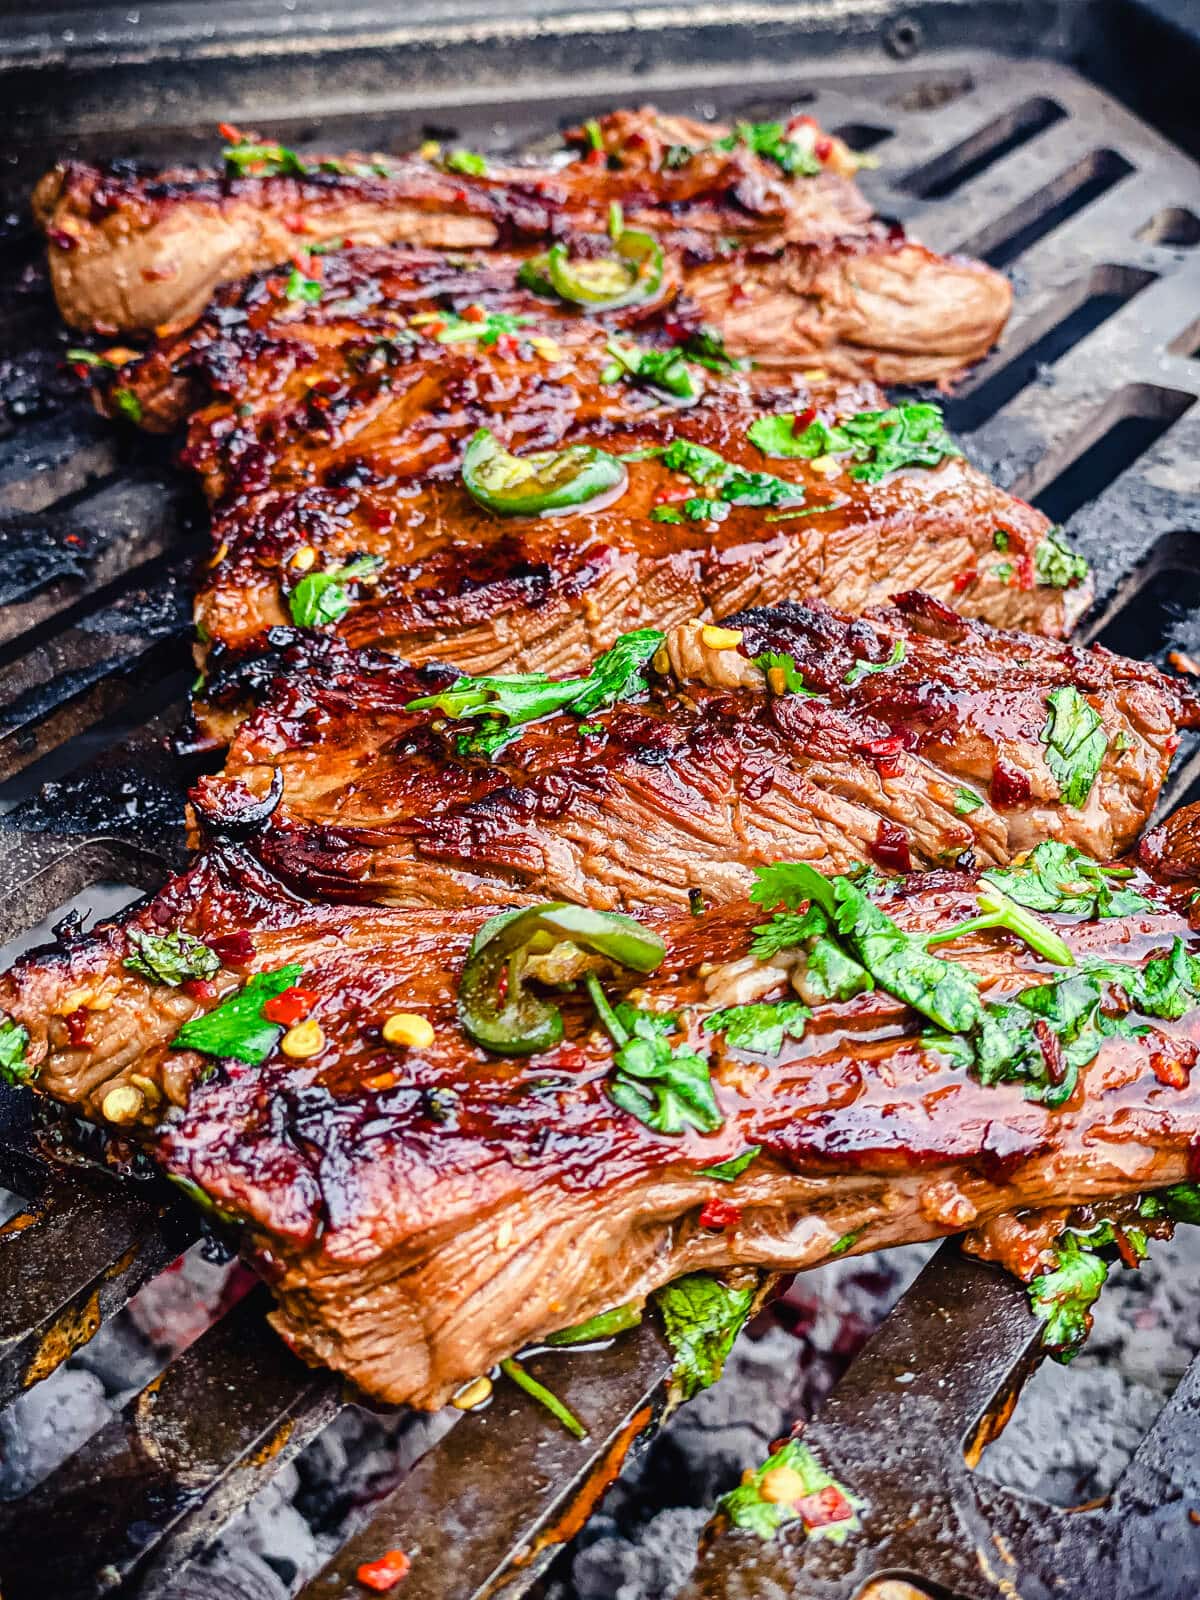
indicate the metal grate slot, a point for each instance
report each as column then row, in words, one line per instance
column 980, row 150
column 1019, row 229
column 1176, row 227
column 1123, row 431
column 1067, row 323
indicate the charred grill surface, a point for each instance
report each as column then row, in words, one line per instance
column 423, row 1210
column 132, row 253
column 686, row 788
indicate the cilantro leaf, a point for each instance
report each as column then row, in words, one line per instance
column 1059, row 877
column 1055, row 563
column 1075, row 742
column 664, row 370
column 776, row 436
column 710, row 470
column 250, row 159
column 128, row 404
column 772, row 141
column 706, row 347
column 237, row 1028
column 701, row 1317
column 966, row 801
column 760, row 1027
column 14, row 1041
column 763, row 1503
column 789, row 674
column 727, row 1171
column 468, row 162
column 322, row 597
column 509, row 703
column 903, row 436
column 864, row 669
column 170, row 958
column 666, row 1089
column 1062, row 1299
column 300, row 287
column 602, row 1326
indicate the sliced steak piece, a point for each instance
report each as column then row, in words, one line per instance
column 683, row 788
column 145, row 254
column 423, row 1208
column 331, row 430
column 136, row 252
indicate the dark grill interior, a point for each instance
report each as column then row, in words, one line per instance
column 1088, row 409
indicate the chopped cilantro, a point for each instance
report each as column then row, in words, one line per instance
column 727, row 1171
column 1075, row 744
column 903, row 436
column 996, row 910
column 299, row 287
column 15, row 1069
column 1055, row 563
column 486, row 329
column 323, row 597
column 595, row 137
column 776, row 436
column 966, row 801
column 759, row 1028
column 762, row 1503
column 1001, row 539
column 1062, row 1299
column 128, row 404
column 846, row 1242
column 170, row 958
column 1059, row 877
column 666, row 1089
column 508, row 703
column 664, row 370
column 863, row 669
column 511, row 1368
column 468, row 162
column 237, row 1028
column 247, row 158
column 706, row 347
column 1003, row 571
column 772, row 141
column 780, row 662
column 702, row 1316
column 90, row 358
column 710, row 470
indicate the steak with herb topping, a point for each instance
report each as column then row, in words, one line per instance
column 134, row 253
column 900, row 737
column 423, row 1208
column 334, row 430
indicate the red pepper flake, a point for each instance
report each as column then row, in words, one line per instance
column 385, row 1573
column 803, row 120
column 964, row 580
column 72, row 538
column 739, row 294
column 379, row 517
column 507, row 346
column 1024, row 571
column 885, row 752
column 291, row 1006
column 719, row 1215
column 474, row 313
column 199, row 988
column 891, row 847
column 1010, row 786
column 1172, row 1060
column 802, row 420
column 294, row 222
column 823, row 148
column 232, row 949
column 595, row 158
column 230, row 132
column 77, row 1026
column 826, row 1505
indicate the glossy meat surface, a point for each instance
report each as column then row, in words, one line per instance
column 687, row 787
column 145, row 253
column 332, row 430
column 421, row 1211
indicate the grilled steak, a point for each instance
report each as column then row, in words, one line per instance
column 423, row 1207
column 144, row 254
column 686, row 786
column 333, row 429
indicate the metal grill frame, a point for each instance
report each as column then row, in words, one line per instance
column 95, row 552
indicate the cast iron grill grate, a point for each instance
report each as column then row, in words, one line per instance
column 1089, row 408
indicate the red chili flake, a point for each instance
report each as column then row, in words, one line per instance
column 885, row 752
column 719, row 1215
column 1125, row 1249
column 823, row 148
column 507, row 346
column 385, row 1573
column 291, row 1006
column 965, row 579
column 1024, row 571
column 1010, row 786
column 801, row 121
column 378, row 516
column 502, row 985
column 232, row 949
column 1052, row 1051
column 891, row 847
column 460, row 197
column 435, row 327
column 199, row 988
column 72, row 538
column 229, row 132
column 595, row 158
column 77, row 1026
column 826, row 1505
column 294, row 222
column 802, row 419
column 1172, row 1063
column 739, row 294
column 474, row 313
column 61, row 238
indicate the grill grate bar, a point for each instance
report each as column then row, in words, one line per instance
column 179, row 1462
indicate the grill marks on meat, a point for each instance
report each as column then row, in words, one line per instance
column 339, row 428
column 420, row 1213
column 145, row 254
column 703, row 778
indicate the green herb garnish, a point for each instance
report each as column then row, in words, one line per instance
column 996, row 910
column 711, row 471
column 323, row 597
column 509, row 703
column 237, row 1028
column 1058, row 877
column 706, row 347
column 666, row 1089
column 1055, row 563
column 776, row 436
column 1075, row 742
column 824, row 1507
column 846, row 1242
column 760, row 1027
column 604, row 1326
column 300, row 287
column 727, row 1171
column 485, row 330
column 544, row 1397
column 780, row 661
column 664, row 370
column 170, row 958
column 128, row 404
column 863, row 669
column 468, row 162
column 966, row 801
column 267, row 160
column 702, row 1316
column 15, row 1069
column 772, row 141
